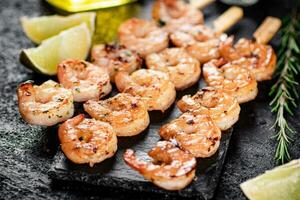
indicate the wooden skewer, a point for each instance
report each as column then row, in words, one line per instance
column 200, row 4
column 228, row 19
column 224, row 21
column 267, row 30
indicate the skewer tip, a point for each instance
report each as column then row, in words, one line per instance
column 265, row 32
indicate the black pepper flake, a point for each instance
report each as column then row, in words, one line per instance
column 190, row 122
column 134, row 105
column 95, row 149
column 161, row 22
column 116, row 69
column 205, row 89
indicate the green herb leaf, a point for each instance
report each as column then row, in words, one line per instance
column 284, row 91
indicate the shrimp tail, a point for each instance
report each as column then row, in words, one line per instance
column 75, row 120
column 130, row 159
column 25, row 89
column 122, row 79
column 227, row 50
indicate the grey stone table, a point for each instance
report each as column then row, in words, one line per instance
column 25, row 153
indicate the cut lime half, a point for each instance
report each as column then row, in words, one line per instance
column 73, row 43
column 41, row 28
column 280, row 183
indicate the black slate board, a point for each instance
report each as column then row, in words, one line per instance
column 114, row 172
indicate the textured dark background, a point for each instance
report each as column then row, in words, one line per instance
column 25, row 151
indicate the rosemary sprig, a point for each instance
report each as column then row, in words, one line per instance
column 284, row 91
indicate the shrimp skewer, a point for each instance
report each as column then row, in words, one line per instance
column 86, row 80
column 142, row 36
column 152, row 87
column 183, row 70
column 171, row 168
column 87, row 140
column 218, row 104
column 115, row 58
column 126, row 114
column 194, row 132
column 233, row 77
column 47, row 104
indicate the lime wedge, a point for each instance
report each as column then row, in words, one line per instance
column 282, row 182
column 72, row 43
column 41, row 28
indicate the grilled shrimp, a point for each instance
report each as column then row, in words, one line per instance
column 170, row 169
column 143, row 36
column 115, row 58
column 87, row 140
column 206, row 50
column 126, row 114
column 233, row 77
column 262, row 56
column 194, row 132
column 153, row 87
column 184, row 35
column 183, row 69
column 199, row 41
column 47, row 104
column 176, row 12
column 218, row 104
column 86, row 80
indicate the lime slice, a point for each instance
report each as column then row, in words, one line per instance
column 72, row 43
column 282, row 182
column 41, row 28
